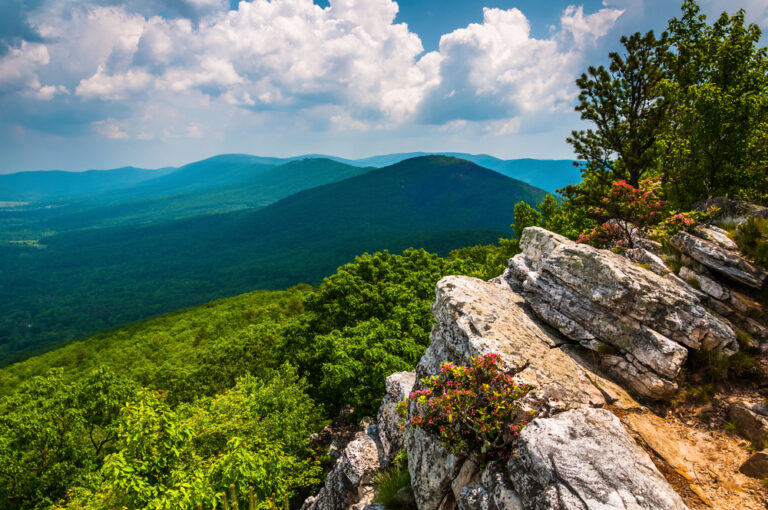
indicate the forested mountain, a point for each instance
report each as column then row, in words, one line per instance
column 547, row 174
column 87, row 280
column 194, row 193
column 53, row 184
column 126, row 184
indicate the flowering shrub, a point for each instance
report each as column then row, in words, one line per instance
column 681, row 221
column 632, row 212
column 607, row 235
column 473, row 410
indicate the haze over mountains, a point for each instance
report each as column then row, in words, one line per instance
column 135, row 243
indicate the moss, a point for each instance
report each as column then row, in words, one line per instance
column 694, row 282
column 673, row 262
column 754, row 313
column 606, row 349
column 744, row 338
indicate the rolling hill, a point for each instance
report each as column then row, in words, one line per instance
column 87, row 280
column 54, row 184
column 222, row 184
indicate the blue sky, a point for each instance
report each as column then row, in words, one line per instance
column 106, row 83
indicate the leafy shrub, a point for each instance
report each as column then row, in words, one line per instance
column 752, row 237
column 681, row 221
column 474, row 410
column 632, row 212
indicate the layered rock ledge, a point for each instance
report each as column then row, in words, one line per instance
column 639, row 323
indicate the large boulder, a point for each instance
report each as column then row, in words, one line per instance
column 474, row 318
column 640, row 323
column 584, row 459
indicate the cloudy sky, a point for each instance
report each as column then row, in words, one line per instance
column 106, row 83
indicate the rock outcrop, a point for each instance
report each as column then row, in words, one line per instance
column 640, row 323
column 720, row 257
column 561, row 312
column 475, row 318
column 584, row 459
column 399, row 385
column 350, row 483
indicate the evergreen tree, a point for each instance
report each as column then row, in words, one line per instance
column 626, row 106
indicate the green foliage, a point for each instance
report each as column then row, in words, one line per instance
column 491, row 260
column 715, row 143
column 253, row 436
column 689, row 106
column 53, row 435
column 368, row 320
column 525, row 216
column 625, row 104
column 752, row 238
column 389, row 486
column 563, row 217
column 224, row 393
column 472, row 409
column 393, row 486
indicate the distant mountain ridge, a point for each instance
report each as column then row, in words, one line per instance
column 41, row 184
column 90, row 279
column 223, row 169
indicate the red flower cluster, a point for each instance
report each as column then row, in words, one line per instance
column 631, row 211
column 607, row 235
column 473, row 409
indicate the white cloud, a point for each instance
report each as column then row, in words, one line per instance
column 110, row 128
column 588, row 29
column 347, row 67
column 497, row 70
column 18, row 68
column 115, row 86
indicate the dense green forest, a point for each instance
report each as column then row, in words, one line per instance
column 168, row 412
column 87, row 280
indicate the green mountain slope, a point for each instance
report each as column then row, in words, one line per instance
column 253, row 185
column 88, row 280
column 52, row 184
column 547, row 174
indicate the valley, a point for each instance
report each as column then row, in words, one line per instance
column 225, row 226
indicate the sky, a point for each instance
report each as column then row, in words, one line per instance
column 107, row 83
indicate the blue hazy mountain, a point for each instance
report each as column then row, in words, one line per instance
column 128, row 183
column 48, row 184
column 86, row 280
